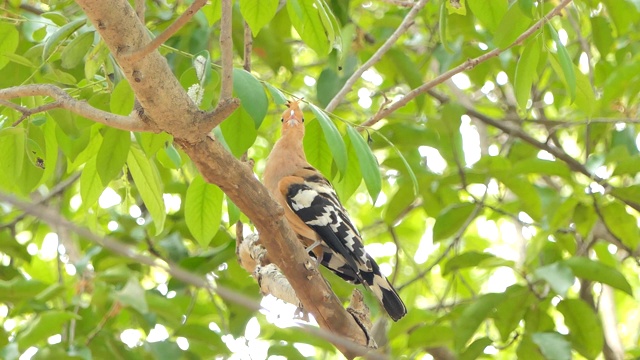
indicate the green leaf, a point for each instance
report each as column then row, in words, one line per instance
column 112, row 154
column 473, row 315
column 239, row 131
column 526, row 192
column 151, row 143
column 552, row 345
column 251, row 94
column 316, row 148
column 558, row 275
column 277, row 95
column 585, row 330
column 73, row 53
column 527, row 7
column 43, row 326
column 451, row 220
column 511, row 312
column 585, row 97
column 147, row 180
column 203, row 210
column 12, row 145
column 352, row 179
column 602, row 34
column 465, row 260
column 310, row 21
column 412, row 175
column 513, row 23
column 594, row 270
column 566, row 66
column 525, row 72
column 630, row 165
column 91, row 187
column 475, row 349
column 258, row 13
column 20, row 290
column 540, row 166
column 368, row 163
column 489, row 12
column 10, row 39
column 431, row 336
column 334, row 140
column 59, row 35
column 122, row 98
column 622, row 224
column 132, row 295
column 212, row 11
column 563, row 213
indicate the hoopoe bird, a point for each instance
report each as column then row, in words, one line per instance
column 314, row 212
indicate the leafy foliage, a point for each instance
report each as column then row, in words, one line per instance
column 506, row 201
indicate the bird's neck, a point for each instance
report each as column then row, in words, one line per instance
column 287, row 156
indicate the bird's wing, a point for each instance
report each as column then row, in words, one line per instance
column 313, row 200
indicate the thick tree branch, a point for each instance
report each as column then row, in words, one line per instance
column 157, row 90
column 65, row 101
column 172, row 110
column 469, row 64
column 168, row 32
column 404, row 26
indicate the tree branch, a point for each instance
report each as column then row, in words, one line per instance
column 248, row 47
column 469, row 64
column 65, row 101
column 226, row 47
column 168, row 32
column 404, row 26
column 165, row 101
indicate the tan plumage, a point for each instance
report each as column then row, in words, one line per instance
column 315, row 213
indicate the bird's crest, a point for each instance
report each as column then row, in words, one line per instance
column 292, row 113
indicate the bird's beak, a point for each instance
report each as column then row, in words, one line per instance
column 293, row 122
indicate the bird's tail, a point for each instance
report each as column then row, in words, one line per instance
column 384, row 291
column 371, row 278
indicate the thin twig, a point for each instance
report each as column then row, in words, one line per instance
column 248, row 47
column 172, row 29
column 404, row 26
column 38, row 199
column 65, row 101
column 469, row 64
column 401, row 3
column 226, row 48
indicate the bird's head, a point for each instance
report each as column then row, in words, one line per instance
column 292, row 118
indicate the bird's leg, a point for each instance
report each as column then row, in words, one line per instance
column 318, row 257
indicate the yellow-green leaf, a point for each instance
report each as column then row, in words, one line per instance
column 203, row 210
column 258, row 13
column 147, row 180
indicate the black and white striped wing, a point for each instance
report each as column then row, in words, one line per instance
column 317, row 205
